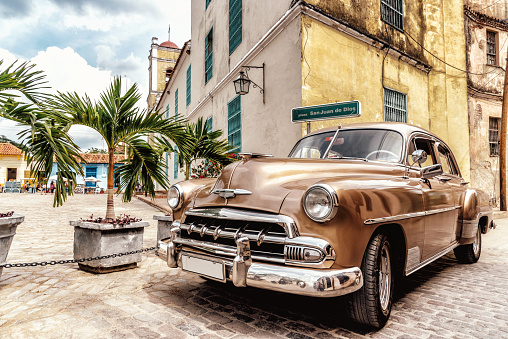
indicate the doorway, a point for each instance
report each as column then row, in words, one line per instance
column 12, row 174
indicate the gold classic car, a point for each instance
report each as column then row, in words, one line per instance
column 347, row 212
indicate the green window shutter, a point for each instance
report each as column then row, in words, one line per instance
column 175, row 168
column 395, row 105
column 209, row 124
column 235, row 24
column 207, row 3
column 235, row 124
column 167, row 111
column 209, row 56
column 176, row 103
column 188, row 85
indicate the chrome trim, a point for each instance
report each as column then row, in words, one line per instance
column 230, row 193
column 333, row 197
column 409, row 215
column 301, row 281
column 180, row 197
column 431, row 259
column 247, row 156
column 234, row 214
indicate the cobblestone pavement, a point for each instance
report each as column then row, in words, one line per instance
column 443, row 300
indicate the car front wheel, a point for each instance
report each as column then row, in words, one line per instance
column 469, row 254
column 371, row 305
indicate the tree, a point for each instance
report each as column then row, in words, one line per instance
column 201, row 143
column 117, row 119
column 44, row 138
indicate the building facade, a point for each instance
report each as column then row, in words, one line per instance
column 12, row 164
column 403, row 60
column 486, row 50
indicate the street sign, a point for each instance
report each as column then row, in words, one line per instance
column 338, row 110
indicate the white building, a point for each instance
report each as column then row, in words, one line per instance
column 226, row 36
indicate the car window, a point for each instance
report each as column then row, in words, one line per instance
column 425, row 145
column 313, row 146
column 446, row 160
column 370, row 144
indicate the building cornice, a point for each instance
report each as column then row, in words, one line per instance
column 485, row 19
column 484, row 95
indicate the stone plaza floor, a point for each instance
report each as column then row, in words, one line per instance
column 443, row 300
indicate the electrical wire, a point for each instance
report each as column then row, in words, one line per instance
column 495, row 3
column 435, row 56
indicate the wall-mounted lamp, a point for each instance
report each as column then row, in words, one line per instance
column 243, row 82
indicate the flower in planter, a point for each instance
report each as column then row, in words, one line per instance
column 5, row 215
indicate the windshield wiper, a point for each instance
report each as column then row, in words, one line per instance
column 349, row 158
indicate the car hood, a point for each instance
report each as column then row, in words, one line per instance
column 271, row 179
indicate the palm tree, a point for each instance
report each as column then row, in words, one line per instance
column 117, row 119
column 202, row 143
column 44, row 138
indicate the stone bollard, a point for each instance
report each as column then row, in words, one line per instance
column 8, row 227
column 163, row 226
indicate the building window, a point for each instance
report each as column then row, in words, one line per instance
column 207, row 3
column 91, row 172
column 188, row 96
column 235, row 24
column 395, row 105
column 491, row 48
column 176, row 103
column 167, row 163
column 175, row 165
column 209, row 56
column 392, row 13
column 494, row 136
column 235, row 124
column 167, row 111
column 209, row 124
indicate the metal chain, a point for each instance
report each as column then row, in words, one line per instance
column 72, row 261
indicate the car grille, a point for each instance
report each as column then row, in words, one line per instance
column 266, row 239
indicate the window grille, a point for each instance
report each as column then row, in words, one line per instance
column 491, row 48
column 235, row 24
column 235, row 124
column 494, row 136
column 395, row 106
column 167, row 111
column 188, row 96
column 209, row 56
column 392, row 13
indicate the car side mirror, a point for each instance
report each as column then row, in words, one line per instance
column 419, row 157
column 432, row 171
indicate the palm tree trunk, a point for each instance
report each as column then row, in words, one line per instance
column 110, row 210
column 187, row 171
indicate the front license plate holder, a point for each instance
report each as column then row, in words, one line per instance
column 213, row 269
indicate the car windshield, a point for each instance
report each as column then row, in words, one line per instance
column 364, row 144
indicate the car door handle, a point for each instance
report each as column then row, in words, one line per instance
column 440, row 178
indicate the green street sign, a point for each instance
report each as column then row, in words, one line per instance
column 338, row 110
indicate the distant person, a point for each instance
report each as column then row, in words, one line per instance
column 52, row 187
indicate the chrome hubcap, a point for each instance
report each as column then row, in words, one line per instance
column 476, row 243
column 385, row 278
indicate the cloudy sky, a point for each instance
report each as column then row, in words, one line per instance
column 82, row 44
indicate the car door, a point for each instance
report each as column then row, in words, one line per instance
column 438, row 200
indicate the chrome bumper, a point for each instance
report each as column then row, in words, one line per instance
column 243, row 272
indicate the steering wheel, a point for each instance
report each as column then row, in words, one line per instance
column 395, row 156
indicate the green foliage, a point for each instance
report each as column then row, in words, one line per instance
column 200, row 143
column 95, row 150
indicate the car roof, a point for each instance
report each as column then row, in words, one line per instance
column 404, row 129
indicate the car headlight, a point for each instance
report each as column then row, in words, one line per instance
column 175, row 197
column 320, row 202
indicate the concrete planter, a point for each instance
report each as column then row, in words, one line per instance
column 8, row 227
column 95, row 240
column 163, row 226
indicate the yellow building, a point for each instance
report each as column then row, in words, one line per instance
column 12, row 163
column 162, row 60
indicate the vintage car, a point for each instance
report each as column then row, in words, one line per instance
column 347, row 212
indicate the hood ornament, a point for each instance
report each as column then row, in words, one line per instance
column 230, row 193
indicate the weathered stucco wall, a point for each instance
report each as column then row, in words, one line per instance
column 337, row 67
column 485, row 83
